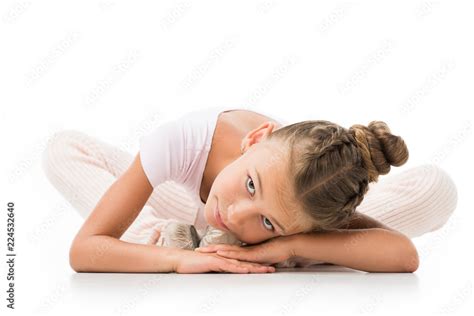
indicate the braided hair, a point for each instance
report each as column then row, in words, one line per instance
column 330, row 168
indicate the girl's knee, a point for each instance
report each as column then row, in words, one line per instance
column 442, row 194
column 443, row 183
column 56, row 147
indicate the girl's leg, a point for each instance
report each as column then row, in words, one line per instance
column 82, row 168
column 416, row 201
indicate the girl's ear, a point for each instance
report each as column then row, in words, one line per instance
column 257, row 135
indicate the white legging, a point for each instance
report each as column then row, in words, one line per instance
column 415, row 201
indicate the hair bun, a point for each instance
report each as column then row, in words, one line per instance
column 379, row 148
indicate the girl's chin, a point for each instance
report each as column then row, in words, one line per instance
column 208, row 215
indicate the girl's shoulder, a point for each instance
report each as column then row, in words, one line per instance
column 246, row 119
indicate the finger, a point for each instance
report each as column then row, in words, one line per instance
column 255, row 267
column 234, row 268
column 228, row 266
column 244, row 268
column 215, row 247
column 250, row 266
column 201, row 249
column 240, row 255
column 262, row 268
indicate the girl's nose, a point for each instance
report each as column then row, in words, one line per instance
column 240, row 217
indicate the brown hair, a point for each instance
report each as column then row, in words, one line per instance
column 331, row 166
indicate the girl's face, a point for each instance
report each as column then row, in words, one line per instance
column 246, row 193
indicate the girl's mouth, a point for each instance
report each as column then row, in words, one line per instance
column 218, row 218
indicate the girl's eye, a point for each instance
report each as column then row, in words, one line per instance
column 265, row 220
column 269, row 223
column 251, row 181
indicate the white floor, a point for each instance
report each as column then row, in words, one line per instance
column 434, row 288
column 441, row 285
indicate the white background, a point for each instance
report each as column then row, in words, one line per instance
column 115, row 69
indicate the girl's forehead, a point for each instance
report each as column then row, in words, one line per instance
column 271, row 156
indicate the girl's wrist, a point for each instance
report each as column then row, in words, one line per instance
column 292, row 242
column 175, row 255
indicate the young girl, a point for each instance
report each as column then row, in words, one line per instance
column 285, row 191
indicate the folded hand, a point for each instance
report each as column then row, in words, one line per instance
column 272, row 251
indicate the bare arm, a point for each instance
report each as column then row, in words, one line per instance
column 371, row 250
column 362, row 221
column 97, row 247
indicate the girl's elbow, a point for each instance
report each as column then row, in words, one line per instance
column 408, row 255
column 411, row 261
column 73, row 262
column 76, row 254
